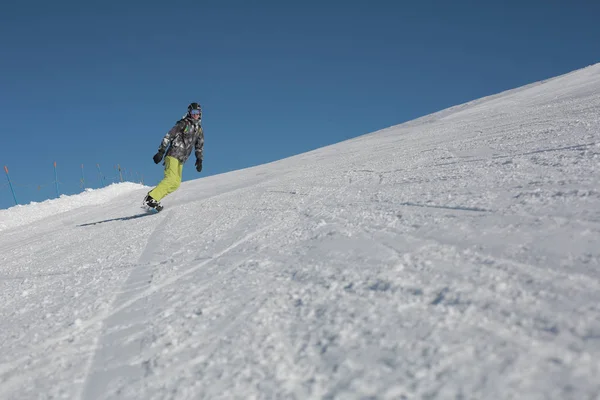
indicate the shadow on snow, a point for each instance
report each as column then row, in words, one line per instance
column 144, row 214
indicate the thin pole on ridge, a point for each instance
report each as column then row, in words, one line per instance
column 102, row 180
column 11, row 186
column 82, row 177
column 56, row 180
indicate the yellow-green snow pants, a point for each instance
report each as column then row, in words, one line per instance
column 171, row 181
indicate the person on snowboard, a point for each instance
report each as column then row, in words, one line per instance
column 187, row 134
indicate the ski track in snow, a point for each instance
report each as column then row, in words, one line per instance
column 100, row 382
column 454, row 256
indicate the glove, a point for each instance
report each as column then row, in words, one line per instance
column 199, row 165
column 158, row 157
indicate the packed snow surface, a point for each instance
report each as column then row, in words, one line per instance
column 456, row 256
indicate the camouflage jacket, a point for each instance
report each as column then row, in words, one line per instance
column 186, row 135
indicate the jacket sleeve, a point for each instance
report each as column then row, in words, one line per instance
column 164, row 144
column 200, row 144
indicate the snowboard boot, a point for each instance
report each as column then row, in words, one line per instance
column 150, row 202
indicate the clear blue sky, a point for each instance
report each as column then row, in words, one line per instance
column 102, row 82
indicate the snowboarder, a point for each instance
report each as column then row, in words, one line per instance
column 187, row 134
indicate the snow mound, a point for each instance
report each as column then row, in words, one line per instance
column 20, row 215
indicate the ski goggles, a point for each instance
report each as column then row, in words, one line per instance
column 195, row 112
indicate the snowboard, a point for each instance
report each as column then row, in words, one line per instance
column 152, row 210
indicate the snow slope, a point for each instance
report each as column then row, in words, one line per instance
column 456, row 256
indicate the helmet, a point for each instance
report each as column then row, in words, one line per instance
column 194, row 106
